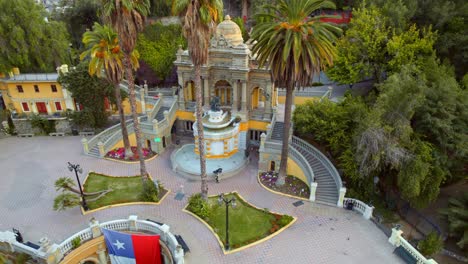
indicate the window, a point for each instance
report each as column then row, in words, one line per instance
column 54, row 88
column 20, row 88
column 25, row 107
column 36, row 88
column 58, row 106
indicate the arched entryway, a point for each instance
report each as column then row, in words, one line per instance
column 223, row 91
column 189, row 91
column 257, row 98
column 272, row 166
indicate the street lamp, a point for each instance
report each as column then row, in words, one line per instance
column 231, row 201
column 77, row 168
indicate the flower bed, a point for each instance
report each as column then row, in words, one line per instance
column 292, row 186
column 119, row 154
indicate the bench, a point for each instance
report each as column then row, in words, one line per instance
column 25, row 135
column 182, row 243
column 405, row 255
column 86, row 133
column 57, row 134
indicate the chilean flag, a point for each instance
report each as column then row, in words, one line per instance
column 127, row 248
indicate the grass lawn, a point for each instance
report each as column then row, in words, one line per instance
column 246, row 223
column 124, row 189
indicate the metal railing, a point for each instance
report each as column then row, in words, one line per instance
column 303, row 164
column 320, row 157
column 116, row 137
column 272, row 125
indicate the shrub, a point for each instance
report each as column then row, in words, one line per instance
column 284, row 220
column 149, row 193
column 76, row 242
column 10, row 130
column 431, row 244
column 46, row 126
column 198, row 206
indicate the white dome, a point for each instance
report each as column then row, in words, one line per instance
column 230, row 31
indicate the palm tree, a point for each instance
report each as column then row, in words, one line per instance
column 105, row 56
column 200, row 21
column 295, row 46
column 127, row 17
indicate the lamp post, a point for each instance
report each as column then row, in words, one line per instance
column 231, row 201
column 77, row 168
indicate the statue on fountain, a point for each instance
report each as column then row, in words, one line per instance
column 215, row 106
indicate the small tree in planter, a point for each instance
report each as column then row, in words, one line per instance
column 431, row 244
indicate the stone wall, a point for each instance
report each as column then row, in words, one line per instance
column 23, row 126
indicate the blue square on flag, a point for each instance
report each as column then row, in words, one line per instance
column 125, row 248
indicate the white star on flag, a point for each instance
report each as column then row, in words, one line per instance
column 119, row 244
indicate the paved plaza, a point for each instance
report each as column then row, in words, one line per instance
column 322, row 234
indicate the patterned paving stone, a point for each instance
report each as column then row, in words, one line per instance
column 322, row 234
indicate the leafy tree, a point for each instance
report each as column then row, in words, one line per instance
column 296, row 47
column 127, row 17
column 240, row 22
column 160, row 8
column 200, row 17
column 457, row 215
column 158, row 45
column 89, row 91
column 32, row 44
column 431, row 244
column 105, row 60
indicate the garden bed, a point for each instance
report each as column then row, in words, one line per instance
column 123, row 190
column 293, row 186
column 119, row 154
column 248, row 225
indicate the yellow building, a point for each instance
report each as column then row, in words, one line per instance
column 35, row 94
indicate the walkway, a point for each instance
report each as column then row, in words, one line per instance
column 322, row 234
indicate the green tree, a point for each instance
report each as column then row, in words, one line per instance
column 28, row 41
column 200, row 17
column 431, row 244
column 457, row 216
column 158, row 45
column 89, row 91
column 105, row 61
column 160, row 8
column 127, row 17
column 296, row 46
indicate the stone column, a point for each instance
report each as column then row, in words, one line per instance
column 313, row 190
column 181, row 93
column 206, row 90
column 395, row 237
column 132, row 224
column 235, row 103
column 341, row 197
column 95, row 227
column 244, row 96
column 49, row 110
column 84, row 141
column 368, row 212
column 142, row 101
column 101, row 149
column 268, row 99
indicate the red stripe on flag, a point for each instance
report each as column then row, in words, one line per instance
column 147, row 249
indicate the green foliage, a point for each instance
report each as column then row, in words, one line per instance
column 11, row 129
column 150, row 192
column 63, row 184
column 31, row 44
column 199, row 206
column 46, row 126
column 160, row 8
column 82, row 119
column 76, row 242
column 284, row 220
column 431, row 244
column 240, row 22
column 89, row 91
column 158, row 45
column 66, row 200
column 22, row 258
column 457, row 216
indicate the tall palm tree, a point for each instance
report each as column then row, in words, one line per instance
column 103, row 50
column 127, row 17
column 295, row 46
column 200, row 21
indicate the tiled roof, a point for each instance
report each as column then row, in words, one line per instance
column 38, row 77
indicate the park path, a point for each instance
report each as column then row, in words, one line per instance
column 322, row 234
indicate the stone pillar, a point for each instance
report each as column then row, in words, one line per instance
column 132, row 222
column 102, row 256
column 34, row 107
column 178, row 255
column 49, row 110
column 368, row 212
column 145, row 87
column 268, row 99
column 262, row 141
column 244, row 96
column 341, row 197
column 165, row 231
column 142, row 101
column 101, row 149
column 84, row 141
column 313, row 190
column 155, row 124
column 206, row 94
column 95, row 227
column 181, row 93
column 52, row 252
column 235, row 103
column 395, row 237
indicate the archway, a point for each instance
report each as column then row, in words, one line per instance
column 223, row 90
column 272, row 166
column 189, row 91
column 257, row 98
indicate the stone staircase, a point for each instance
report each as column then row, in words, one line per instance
column 277, row 132
column 160, row 115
